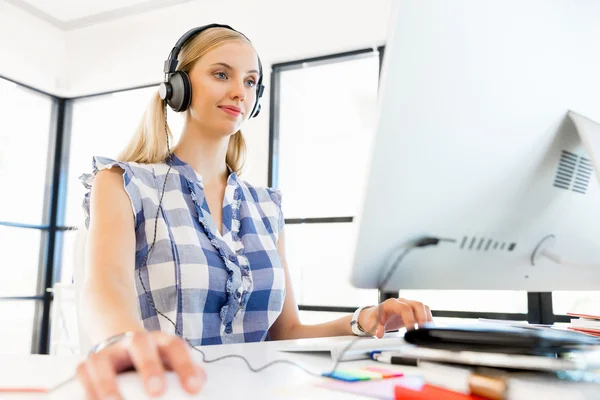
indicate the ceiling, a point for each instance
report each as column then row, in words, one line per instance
column 73, row 14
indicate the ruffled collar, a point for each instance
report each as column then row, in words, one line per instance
column 191, row 175
column 239, row 283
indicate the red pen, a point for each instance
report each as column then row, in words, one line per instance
column 23, row 390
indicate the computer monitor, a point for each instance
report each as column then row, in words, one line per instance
column 483, row 106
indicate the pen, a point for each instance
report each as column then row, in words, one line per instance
column 395, row 360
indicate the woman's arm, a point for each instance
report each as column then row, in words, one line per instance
column 109, row 303
column 392, row 314
column 108, row 300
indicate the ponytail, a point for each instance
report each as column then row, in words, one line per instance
column 236, row 152
column 149, row 144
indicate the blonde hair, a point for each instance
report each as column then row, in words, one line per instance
column 149, row 144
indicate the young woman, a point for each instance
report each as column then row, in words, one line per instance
column 180, row 247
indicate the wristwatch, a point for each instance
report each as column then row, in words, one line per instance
column 355, row 326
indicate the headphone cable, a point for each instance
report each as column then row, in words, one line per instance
column 424, row 242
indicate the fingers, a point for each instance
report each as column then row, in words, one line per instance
column 146, row 360
column 97, row 374
column 177, row 356
column 382, row 318
column 86, row 382
column 148, row 353
column 396, row 314
column 419, row 311
column 402, row 312
column 407, row 313
column 101, row 373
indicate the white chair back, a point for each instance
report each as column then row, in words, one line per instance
column 78, row 278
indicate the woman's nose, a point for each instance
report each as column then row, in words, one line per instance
column 238, row 91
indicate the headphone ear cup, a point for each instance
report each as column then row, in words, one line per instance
column 181, row 93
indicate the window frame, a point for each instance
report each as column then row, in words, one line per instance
column 54, row 206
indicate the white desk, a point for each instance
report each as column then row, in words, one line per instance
column 229, row 378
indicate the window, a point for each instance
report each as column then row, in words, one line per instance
column 20, row 249
column 326, row 113
column 581, row 302
column 17, row 326
column 24, row 139
column 325, row 124
column 26, row 151
column 323, row 127
column 497, row 301
column 325, row 266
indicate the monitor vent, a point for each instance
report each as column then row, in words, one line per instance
column 476, row 243
column 573, row 173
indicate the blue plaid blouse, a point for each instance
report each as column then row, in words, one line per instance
column 217, row 288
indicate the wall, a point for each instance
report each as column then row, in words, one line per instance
column 31, row 50
column 131, row 51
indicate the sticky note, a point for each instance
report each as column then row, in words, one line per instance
column 385, row 373
column 345, row 376
column 363, row 372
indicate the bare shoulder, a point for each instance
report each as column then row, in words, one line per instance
column 109, row 200
column 111, row 177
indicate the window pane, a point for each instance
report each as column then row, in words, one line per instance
column 319, row 258
column 24, row 137
column 502, row 301
column 17, row 326
column 507, row 301
column 102, row 126
column 20, row 250
column 581, row 302
column 326, row 124
column 319, row 317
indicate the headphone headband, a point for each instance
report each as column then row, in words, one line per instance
column 171, row 62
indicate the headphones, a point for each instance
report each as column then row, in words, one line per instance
column 176, row 90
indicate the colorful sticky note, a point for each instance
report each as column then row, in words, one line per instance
column 385, row 373
column 363, row 372
column 345, row 376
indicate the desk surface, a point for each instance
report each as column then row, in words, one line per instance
column 231, row 377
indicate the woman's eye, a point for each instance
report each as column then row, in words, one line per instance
column 251, row 82
column 221, row 75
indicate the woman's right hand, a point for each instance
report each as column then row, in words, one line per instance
column 149, row 353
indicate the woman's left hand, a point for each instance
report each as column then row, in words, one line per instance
column 394, row 314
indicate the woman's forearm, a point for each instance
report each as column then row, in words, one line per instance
column 338, row 327
column 107, row 308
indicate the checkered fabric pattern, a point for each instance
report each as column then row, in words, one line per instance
column 217, row 288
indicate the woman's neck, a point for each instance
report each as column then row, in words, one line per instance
column 205, row 154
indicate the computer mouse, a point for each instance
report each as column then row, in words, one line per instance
column 130, row 387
